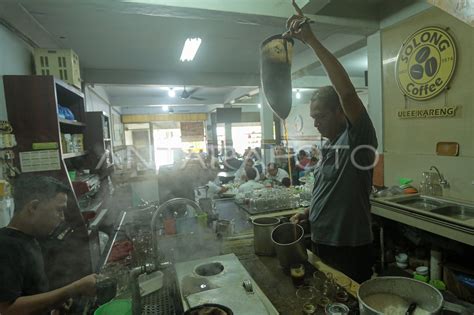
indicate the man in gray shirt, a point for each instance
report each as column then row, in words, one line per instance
column 340, row 209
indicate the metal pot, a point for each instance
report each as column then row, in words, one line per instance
column 209, row 308
column 262, row 232
column 411, row 290
column 289, row 246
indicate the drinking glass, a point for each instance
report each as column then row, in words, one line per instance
column 297, row 274
column 306, row 296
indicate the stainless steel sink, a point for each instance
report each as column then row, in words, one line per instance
column 422, row 203
column 456, row 211
column 434, row 205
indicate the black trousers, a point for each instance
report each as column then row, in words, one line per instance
column 355, row 262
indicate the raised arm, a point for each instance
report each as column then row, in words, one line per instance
column 299, row 28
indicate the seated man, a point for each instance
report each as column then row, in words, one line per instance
column 313, row 163
column 250, row 184
column 275, row 173
column 214, row 187
column 39, row 204
column 240, row 174
column 231, row 163
column 303, row 160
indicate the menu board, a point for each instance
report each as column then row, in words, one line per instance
column 192, row 131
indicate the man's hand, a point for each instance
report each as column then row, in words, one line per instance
column 299, row 217
column 85, row 286
column 298, row 26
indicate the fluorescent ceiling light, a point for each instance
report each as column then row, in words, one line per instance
column 190, row 49
column 298, row 94
column 165, row 108
column 171, row 93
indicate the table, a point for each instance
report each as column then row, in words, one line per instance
column 271, row 278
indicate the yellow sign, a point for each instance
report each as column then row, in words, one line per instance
column 426, row 63
column 428, row 113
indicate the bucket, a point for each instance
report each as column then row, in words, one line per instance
column 275, row 71
column 289, row 246
column 115, row 307
column 262, row 232
column 390, row 294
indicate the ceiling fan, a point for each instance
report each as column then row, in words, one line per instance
column 185, row 95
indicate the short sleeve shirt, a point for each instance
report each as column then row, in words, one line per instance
column 340, row 205
column 21, row 266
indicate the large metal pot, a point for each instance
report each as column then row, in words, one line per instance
column 411, row 290
column 262, row 231
column 289, row 246
column 209, row 308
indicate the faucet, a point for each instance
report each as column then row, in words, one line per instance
column 442, row 180
column 136, row 296
column 154, row 228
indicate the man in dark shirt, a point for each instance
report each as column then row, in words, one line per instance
column 39, row 204
column 339, row 214
column 231, row 163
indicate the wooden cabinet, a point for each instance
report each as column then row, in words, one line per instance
column 32, row 106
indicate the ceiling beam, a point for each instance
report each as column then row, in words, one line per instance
column 261, row 12
column 159, row 110
column 239, row 92
column 312, row 6
column 309, row 62
column 137, row 101
column 319, row 81
column 16, row 18
column 130, row 77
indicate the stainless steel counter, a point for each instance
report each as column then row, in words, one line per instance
column 425, row 219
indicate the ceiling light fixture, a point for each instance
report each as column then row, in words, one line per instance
column 191, row 46
column 298, row 94
column 171, row 92
column 259, row 105
column 165, row 108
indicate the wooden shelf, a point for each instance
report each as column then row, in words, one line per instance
column 71, row 123
column 69, row 88
column 73, row 155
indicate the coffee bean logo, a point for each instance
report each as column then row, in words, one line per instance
column 429, row 67
column 416, row 72
column 426, row 63
column 422, row 54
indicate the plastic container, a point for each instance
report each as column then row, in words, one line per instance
column 401, row 258
column 116, row 307
column 72, row 175
column 422, row 270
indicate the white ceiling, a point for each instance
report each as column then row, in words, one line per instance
column 132, row 47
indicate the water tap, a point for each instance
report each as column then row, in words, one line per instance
column 443, row 182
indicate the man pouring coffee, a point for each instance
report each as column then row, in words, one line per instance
column 339, row 214
column 39, row 205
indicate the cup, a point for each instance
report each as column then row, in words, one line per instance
column 297, row 274
column 318, row 280
column 306, row 296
